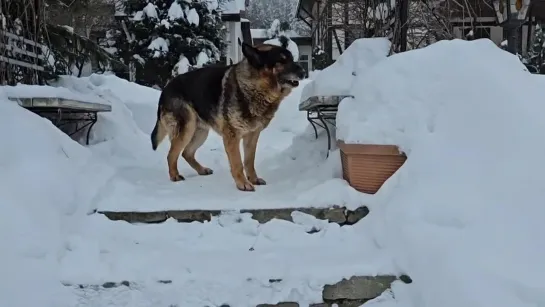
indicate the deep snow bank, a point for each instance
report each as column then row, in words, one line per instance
column 120, row 136
column 47, row 183
column 464, row 215
column 338, row 78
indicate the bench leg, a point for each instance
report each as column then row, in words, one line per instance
column 326, row 128
column 93, row 122
column 313, row 125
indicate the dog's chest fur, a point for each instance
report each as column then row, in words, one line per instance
column 248, row 106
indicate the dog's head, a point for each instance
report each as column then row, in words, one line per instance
column 275, row 61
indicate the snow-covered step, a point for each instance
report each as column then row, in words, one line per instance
column 345, row 293
column 339, row 215
column 230, row 260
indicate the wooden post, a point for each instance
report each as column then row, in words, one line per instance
column 403, row 19
column 529, row 26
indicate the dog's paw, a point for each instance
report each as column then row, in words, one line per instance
column 205, row 171
column 257, row 181
column 177, row 177
column 245, row 186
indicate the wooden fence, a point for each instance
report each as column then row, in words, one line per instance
column 21, row 59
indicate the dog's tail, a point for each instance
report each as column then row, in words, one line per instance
column 158, row 133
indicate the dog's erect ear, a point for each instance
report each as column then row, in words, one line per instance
column 252, row 54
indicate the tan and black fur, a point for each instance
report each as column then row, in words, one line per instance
column 236, row 101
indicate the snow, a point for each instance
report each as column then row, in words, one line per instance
column 274, row 29
column 211, row 4
column 139, row 59
column 193, row 17
column 165, row 23
column 202, row 59
column 159, row 45
column 68, row 28
column 182, row 66
column 56, row 232
column 138, row 16
column 292, row 47
column 43, row 196
column 232, row 6
column 175, row 11
column 32, row 91
column 464, row 215
column 283, row 246
column 263, row 33
column 361, row 55
column 150, row 11
column 289, row 158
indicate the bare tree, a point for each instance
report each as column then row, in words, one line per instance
column 83, row 16
column 262, row 13
column 428, row 20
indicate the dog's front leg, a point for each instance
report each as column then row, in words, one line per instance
column 231, row 142
column 249, row 142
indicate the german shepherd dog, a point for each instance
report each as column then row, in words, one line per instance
column 237, row 101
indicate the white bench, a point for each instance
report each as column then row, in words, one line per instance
column 65, row 112
column 322, row 111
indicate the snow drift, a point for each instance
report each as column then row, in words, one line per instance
column 464, row 215
column 47, row 185
column 338, row 78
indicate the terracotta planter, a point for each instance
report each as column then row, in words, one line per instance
column 366, row 167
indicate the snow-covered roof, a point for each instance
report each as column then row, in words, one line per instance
column 262, row 33
column 233, row 6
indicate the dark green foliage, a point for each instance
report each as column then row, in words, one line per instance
column 185, row 39
column 69, row 52
column 320, row 59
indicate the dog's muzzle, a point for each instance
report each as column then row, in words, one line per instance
column 296, row 73
column 291, row 82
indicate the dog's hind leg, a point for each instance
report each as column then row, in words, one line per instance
column 180, row 136
column 199, row 137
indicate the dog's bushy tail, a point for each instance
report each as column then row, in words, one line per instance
column 158, row 133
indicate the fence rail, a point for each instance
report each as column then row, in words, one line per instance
column 20, row 59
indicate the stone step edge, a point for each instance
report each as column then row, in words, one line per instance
column 335, row 214
column 345, row 293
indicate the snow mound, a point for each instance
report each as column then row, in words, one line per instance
column 337, row 79
column 123, row 133
column 47, row 186
column 464, row 215
column 45, row 91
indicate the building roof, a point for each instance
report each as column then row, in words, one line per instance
column 233, row 6
column 262, row 33
column 304, row 9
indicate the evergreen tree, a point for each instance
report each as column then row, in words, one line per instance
column 536, row 54
column 320, row 59
column 164, row 38
column 262, row 13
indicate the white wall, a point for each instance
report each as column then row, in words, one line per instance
column 233, row 50
column 306, row 50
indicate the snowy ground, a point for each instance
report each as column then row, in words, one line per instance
column 289, row 158
column 232, row 255
column 463, row 217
